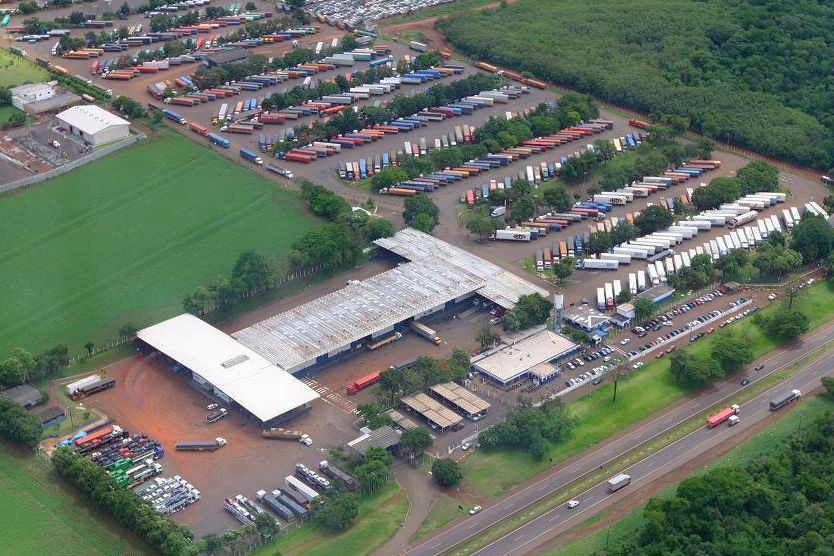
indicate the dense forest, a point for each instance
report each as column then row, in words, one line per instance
column 779, row 504
column 755, row 72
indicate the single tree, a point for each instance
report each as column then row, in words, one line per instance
column 89, row 347
column 446, row 472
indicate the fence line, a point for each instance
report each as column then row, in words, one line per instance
column 64, row 168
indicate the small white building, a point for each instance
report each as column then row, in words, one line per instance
column 23, row 95
column 95, row 125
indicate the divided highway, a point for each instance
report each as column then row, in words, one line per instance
column 528, row 536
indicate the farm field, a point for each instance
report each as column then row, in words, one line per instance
column 712, row 63
column 763, row 442
column 124, row 239
column 14, row 70
column 379, row 515
column 47, row 515
column 640, row 395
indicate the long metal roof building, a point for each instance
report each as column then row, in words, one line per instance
column 500, row 286
column 438, row 273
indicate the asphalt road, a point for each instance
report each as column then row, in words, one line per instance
column 527, row 537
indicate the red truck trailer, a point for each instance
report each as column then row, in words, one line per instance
column 721, row 416
column 362, row 383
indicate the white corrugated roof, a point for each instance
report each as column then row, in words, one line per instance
column 90, row 118
column 510, row 362
column 250, row 380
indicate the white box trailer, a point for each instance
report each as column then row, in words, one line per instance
column 618, row 288
column 769, row 226
column 661, row 270
column 641, row 280
column 713, row 219
column 701, row 249
column 670, row 265
column 653, row 276
column 743, row 219
column 786, row 214
column 677, row 263
column 636, row 191
column 748, row 233
column 621, row 258
column 752, row 204
column 795, row 215
column 715, row 250
column 733, row 207
column 629, row 195
column 735, row 239
column 700, row 224
column 673, row 237
column 632, row 283
column 777, row 226
column 762, row 227
column 687, row 261
column 610, row 199
column 660, row 180
column 601, row 299
column 512, row 234
column 633, row 252
column 722, row 246
column 597, row 264
column 618, row 482
column 652, row 239
column 757, row 234
column 687, row 231
column 638, row 244
column 609, row 294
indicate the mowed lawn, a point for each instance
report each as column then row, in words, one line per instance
column 641, row 394
column 14, row 70
column 380, row 514
column 41, row 516
column 124, row 239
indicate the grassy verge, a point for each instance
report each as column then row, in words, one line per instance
column 445, row 510
column 761, row 443
column 49, row 518
column 6, row 112
column 379, row 516
column 15, row 70
column 87, row 253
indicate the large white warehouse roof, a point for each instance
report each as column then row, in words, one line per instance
column 250, row 380
column 90, row 118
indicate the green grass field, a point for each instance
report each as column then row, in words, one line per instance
column 379, row 516
column 124, row 239
column 6, row 113
column 762, row 442
column 640, row 395
column 43, row 517
column 14, row 70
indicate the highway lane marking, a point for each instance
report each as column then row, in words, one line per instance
column 708, row 440
column 822, row 332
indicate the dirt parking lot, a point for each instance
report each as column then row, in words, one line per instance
column 150, row 398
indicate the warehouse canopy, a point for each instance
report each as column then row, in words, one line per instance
column 241, row 374
column 90, row 118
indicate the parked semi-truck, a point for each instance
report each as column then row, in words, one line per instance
column 336, row 472
column 278, row 433
column 426, row 332
column 216, row 415
column 251, row 156
column 725, row 414
column 784, row 399
column 361, row 383
column 200, row 445
column 617, row 482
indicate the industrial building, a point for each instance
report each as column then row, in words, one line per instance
column 658, row 293
column 437, row 277
column 226, row 57
column 228, row 370
column 36, row 98
column 588, row 319
column 23, row 395
column 400, row 420
column 438, row 415
column 94, row 125
column 531, row 357
column 461, row 399
column 384, row 437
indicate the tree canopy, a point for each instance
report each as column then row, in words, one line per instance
column 529, row 310
column 446, row 472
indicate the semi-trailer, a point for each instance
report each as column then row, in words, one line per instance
column 200, row 445
column 513, row 234
column 601, row 298
column 335, row 472
column 653, row 276
column 609, row 295
column 617, row 482
column 300, row 488
column 271, row 502
column 384, row 341
column 363, row 382
column 597, row 264
column 784, row 399
column 295, row 507
column 422, row 330
column 278, row 433
column 216, row 415
column 93, row 388
column 173, row 116
column 86, row 381
column 641, row 280
column 246, row 154
column 725, row 414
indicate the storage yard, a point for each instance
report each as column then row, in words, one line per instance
column 216, row 425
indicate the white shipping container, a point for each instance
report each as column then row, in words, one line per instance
column 641, row 280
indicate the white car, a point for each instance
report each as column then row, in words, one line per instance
column 573, row 503
column 637, row 365
column 211, row 407
column 475, row 510
column 624, row 341
column 306, row 440
column 465, row 446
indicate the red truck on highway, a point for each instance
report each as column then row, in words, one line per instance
column 724, row 415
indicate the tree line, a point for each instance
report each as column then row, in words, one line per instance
column 772, row 505
column 18, row 425
column 338, row 243
column 21, row 366
column 531, row 429
column 710, row 64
